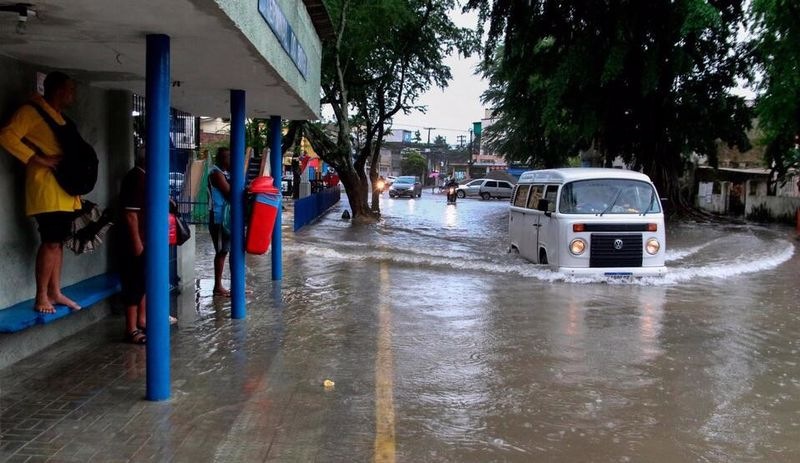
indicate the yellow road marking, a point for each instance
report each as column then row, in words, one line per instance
column 385, row 444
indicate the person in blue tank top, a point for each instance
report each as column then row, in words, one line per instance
column 219, row 193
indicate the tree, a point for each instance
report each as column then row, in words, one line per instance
column 413, row 164
column 385, row 54
column 775, row 50
column 647, row 81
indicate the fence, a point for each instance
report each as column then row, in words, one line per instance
column 309, row 208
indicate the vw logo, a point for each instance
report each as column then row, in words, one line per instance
column 618, row 244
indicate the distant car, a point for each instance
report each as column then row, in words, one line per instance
column 486, row 188
column 406, row 185
column 390, row 179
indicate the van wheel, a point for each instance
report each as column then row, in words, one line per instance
column 543, row 257
column 460, row 194
column 485, row 195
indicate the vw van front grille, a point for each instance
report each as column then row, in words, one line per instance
column 615, row 250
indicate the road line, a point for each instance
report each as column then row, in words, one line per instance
column 385, row 444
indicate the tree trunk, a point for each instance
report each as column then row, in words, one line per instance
column 357, row 191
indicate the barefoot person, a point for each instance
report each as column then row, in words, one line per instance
column 29, row 138
column 220, row 194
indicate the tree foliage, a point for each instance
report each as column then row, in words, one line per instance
column 775, row 26
column 386, row 53
column 645, row 80
column 413, row 164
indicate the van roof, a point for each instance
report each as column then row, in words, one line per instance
column 578, row 173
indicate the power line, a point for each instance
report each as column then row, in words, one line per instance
column 400, row 126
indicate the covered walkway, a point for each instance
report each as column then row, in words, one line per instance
column 224, row 58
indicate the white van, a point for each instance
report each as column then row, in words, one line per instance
column 589, row 221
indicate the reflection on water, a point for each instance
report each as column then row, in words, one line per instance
column 490, row 358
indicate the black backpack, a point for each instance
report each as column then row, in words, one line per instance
column 77, row 170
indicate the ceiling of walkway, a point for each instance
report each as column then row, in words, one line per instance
column 102, row 43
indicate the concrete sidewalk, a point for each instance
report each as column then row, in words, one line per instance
column 241, row 390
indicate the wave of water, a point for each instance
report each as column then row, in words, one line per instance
column 764, row 256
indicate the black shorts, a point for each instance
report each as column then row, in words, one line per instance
column 55, row 227
column 220, row 237
column 132, row 279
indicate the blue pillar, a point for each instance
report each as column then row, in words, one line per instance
column 156, row 212
column 237, row 204
column 276, row 164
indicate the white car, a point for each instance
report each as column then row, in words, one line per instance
column 486, row 188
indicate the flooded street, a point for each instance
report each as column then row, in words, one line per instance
column 448, row 348
column 421, row 339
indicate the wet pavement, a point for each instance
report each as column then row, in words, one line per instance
column 443, row 347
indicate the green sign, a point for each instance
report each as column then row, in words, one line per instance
column 476, row 128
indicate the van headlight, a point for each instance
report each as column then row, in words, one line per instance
column 577, row 246
column 652, row 246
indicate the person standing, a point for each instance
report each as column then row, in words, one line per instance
column 219, row 199
column 132, row 202
column 29, row 138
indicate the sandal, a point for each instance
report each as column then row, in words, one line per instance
column 136, row 337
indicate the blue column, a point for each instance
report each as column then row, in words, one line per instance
column 237, row 204
column 156, row 212
column 276, row 163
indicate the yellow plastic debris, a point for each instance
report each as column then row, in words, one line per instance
column 328, row 384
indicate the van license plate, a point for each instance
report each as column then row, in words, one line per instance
column 618, row 274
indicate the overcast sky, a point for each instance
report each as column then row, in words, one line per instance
column 453, row 110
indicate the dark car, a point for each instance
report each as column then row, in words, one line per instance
column 406, row 185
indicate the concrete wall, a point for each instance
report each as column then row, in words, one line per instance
column 713, row 202
column 779, row 207
column 104, row 119
column 253, row 26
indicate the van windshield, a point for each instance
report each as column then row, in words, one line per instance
column 609, row 196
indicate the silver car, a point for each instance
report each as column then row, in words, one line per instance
column 486, row 189
column 406, row 185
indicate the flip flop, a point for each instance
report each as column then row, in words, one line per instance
column 136, row 337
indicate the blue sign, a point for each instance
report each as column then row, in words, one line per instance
column 276, row 20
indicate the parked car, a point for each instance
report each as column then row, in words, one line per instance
column 486, row 189
column 406, row 185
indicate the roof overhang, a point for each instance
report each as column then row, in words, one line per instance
column 102, row 43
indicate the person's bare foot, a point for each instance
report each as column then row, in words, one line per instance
column 222, row 292
column 64, row 300
column 44, row 307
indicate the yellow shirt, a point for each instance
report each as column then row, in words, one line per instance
column 42, row 191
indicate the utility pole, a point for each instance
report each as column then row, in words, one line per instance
column 429, row 133
column 461, row 140
column 429, row 147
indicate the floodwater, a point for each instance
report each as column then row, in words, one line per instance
column 445, row 347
